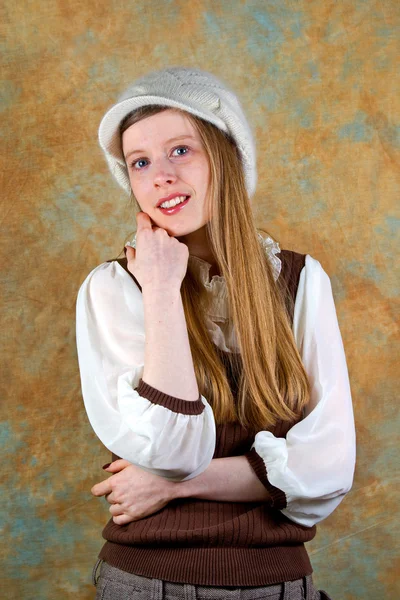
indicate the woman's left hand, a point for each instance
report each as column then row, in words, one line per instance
column 132, row 492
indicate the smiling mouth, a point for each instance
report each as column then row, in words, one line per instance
column 173, row 209
column 185, row 196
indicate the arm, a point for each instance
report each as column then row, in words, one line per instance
column 310, row 471
column 168, row 364
column 229, row 479
column 160, row 263
column 134, row 494
column 163, row 434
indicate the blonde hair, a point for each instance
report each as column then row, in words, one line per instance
column 272, row 382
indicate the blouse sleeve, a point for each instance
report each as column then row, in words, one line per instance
column 309, row 472
column 167, row 436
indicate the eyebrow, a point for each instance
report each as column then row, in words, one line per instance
column 179, row 137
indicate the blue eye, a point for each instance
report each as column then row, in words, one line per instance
column 180, row 148
column 139, row 160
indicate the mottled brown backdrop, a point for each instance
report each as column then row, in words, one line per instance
column 319, row 81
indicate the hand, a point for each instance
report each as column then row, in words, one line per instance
column 132, row 492
column 159, row 260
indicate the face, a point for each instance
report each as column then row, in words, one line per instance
column 159, row 164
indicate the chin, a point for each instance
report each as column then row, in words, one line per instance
column 179, row 230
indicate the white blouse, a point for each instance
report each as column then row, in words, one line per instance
column 313, row 466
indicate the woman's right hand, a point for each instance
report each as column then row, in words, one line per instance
column 159, row 260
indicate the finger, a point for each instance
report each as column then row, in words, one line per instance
column 110, row 498
column 116, row 510
column 122, row 519
column 143, row 221
column 130, row 252
column 102, row 488
column 117, row 465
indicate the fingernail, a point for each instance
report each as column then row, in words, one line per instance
column 105, row 466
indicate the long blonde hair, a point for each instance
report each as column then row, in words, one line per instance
column 272, row 382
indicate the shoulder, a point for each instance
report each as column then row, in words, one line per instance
column 123, row 264
column 300, row 276
column 109, row 295
column 294, row 264
column 312, row 283
column 106, row 279
column 101, row 274
column 315, row 280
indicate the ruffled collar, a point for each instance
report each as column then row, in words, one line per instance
column 216, row 287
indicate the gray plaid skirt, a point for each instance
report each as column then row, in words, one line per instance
column 114, row 584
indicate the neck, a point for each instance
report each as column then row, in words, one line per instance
column 199, row 246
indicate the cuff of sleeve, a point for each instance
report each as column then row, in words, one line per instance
column 185, row 407
column 278, row 498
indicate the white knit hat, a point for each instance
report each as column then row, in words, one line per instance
column 190, row 89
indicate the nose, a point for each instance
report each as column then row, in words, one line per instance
column 164, row 172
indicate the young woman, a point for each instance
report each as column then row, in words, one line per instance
column 211, row 362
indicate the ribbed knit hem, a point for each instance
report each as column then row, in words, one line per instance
column 185, row 407
column 278, row 498
column 212, row 566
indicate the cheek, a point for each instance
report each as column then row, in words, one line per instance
column 201, row 174
column 138, row 186
column 206, row 172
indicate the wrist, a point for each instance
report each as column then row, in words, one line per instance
column 159, row 293
column 190, row 488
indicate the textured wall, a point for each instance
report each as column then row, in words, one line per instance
column 319, row 82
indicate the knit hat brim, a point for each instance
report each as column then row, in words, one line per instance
column 109, row 137
column 191, row 90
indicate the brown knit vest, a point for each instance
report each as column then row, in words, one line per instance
column 219, row 543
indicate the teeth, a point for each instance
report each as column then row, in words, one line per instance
column 173, row 202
